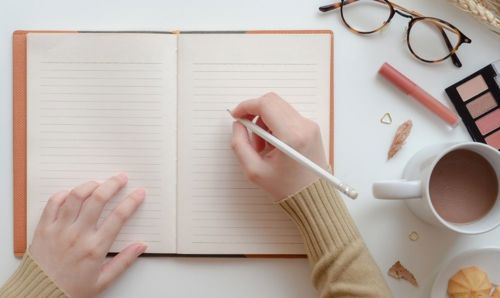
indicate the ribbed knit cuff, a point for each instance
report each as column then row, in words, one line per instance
column 322, row 218
column 30, row 281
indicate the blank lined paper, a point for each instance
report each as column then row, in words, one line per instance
column 219, row 211
column 154, row 106
column 100, row 104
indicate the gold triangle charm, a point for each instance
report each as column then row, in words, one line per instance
column 386, row 119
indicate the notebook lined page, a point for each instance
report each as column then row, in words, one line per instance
column 219, row 211
column 100, row 104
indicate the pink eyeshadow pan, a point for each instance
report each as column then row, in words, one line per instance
column 494, row 139
column 472, row 88
column 481, row 105
column 489, row 122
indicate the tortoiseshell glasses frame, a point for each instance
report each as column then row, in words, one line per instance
column 414, row 18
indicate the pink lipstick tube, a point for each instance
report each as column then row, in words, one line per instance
column 410, row 88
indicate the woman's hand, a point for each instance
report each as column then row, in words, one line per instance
column 71, row 248
column 266, row 166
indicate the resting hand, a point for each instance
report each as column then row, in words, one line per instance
column 71, row 248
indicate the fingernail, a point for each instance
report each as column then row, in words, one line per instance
column 140, row 192
column 140, row 249
column 123, row 177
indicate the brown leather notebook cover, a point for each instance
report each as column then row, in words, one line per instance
column 19, row 98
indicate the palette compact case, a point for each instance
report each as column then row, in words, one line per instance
column 477, row 101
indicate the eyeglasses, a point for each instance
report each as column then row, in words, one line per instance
column 429, row 39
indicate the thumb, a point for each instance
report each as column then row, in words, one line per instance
column 112, row 269
column 249, row 159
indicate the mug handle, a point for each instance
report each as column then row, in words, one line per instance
column 397, row 189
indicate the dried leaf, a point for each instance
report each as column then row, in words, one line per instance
column 398, row 271
column 400, row 137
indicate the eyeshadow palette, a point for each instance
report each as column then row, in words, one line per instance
column 477, row 101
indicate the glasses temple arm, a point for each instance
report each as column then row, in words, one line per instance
column 337, row 5
column 454, row 57
column 330, row 7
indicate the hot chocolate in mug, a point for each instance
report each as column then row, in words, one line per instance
column 455, row 186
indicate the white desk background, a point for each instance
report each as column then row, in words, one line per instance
column 361, row 141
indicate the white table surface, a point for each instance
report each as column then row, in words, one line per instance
column 361, row 142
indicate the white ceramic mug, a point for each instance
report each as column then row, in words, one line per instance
column 414, row 187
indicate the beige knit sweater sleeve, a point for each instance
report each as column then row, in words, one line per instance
column 29, row 281
column 341, row 264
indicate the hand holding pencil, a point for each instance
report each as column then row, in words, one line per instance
column 294, row 137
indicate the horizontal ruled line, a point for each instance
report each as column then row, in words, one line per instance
column 218, row 172
column 239, row 219
column 100, row 132
column 100, row 117
column 101, row 78
column 145, row 186
column 98, row 155
column 237, row 101
column 212, row 149
column 99, row 163
column 102, row 70
column 254, row 87
column 85, row 179
column 247, row 235
column 102, row 86
column 209, row 203
column 111, row 206
column 223, row 196
column 249, row 95
column 102, row 62
column 134, row 240
column 221, row 110
column 213, row 133
column 254, row 79
column 246, row 242
column 224, row 188
column 100, row 101
column 246, row 227
column 100, row 140
column 99, row 170
column 91, row 147
column 97, row 109
column 253, row 63
column 217, row 163
column 99, row 124
column 255, row 71
column 237, row 211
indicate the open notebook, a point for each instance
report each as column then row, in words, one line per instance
column 153, row 105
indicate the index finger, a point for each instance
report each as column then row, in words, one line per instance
column 93, row 206
column 114, row 222
column 272, row 109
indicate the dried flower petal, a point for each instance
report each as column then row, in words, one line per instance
column 400, row 137
column 398, row 271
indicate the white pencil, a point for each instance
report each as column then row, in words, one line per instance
column 292, row 153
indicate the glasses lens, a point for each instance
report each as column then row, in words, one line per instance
column 365, row 16
column 432, row 40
